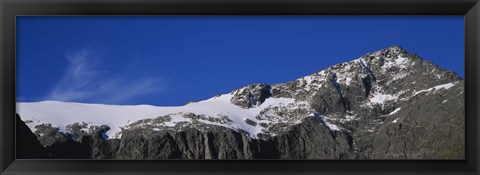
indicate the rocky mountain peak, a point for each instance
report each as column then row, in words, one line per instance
column 391, row 51
column 390, row 72
column 391, row 57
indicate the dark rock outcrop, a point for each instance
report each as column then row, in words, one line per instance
column 251, row 95
column 69, row 149
column 28, row 147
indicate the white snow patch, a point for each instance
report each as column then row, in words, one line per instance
column 347, row 67
column 435, row 88
column 445, row 86
column 308, row 79
column 332, row 126
column 175, row 118
column 395, row 121
column 348, row 80
column 400, row 60
column 349, row 118
column 395, row 111
column 382, row 98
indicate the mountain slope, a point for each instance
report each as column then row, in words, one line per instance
column 385, row 104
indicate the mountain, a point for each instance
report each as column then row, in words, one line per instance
column 388, row 104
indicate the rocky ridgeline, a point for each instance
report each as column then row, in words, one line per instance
column 389, row 104
column 308, row 140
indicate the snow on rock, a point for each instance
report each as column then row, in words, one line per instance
column 395, row 121
column 379, row 98
column 60, row 114
column 313, row 81
column 349, row 118
column 332, row 126
column 445, row 86
column 395, row 111
column 400, row 60
column 308, row 79
column 436, row 88
column 400, row 76
column 348, row 80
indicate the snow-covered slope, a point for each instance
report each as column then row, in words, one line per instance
column 59, row 114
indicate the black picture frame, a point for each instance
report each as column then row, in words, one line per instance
column 12, row 8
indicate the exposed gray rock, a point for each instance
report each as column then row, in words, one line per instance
column 307, row 140
column 251, row 95
column 423, row 130
column 313, row 140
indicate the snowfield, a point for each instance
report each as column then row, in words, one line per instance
column 60, row 114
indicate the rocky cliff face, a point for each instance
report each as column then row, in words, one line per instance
column 27, row 145
column 389, row 104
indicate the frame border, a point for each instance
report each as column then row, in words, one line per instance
column 12, row 8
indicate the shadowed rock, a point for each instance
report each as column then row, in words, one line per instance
column 27, row 145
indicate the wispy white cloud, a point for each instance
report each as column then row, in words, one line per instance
column 84, row 81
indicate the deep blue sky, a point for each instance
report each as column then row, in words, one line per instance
column 170, row 60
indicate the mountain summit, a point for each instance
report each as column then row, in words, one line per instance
column 385, row 104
